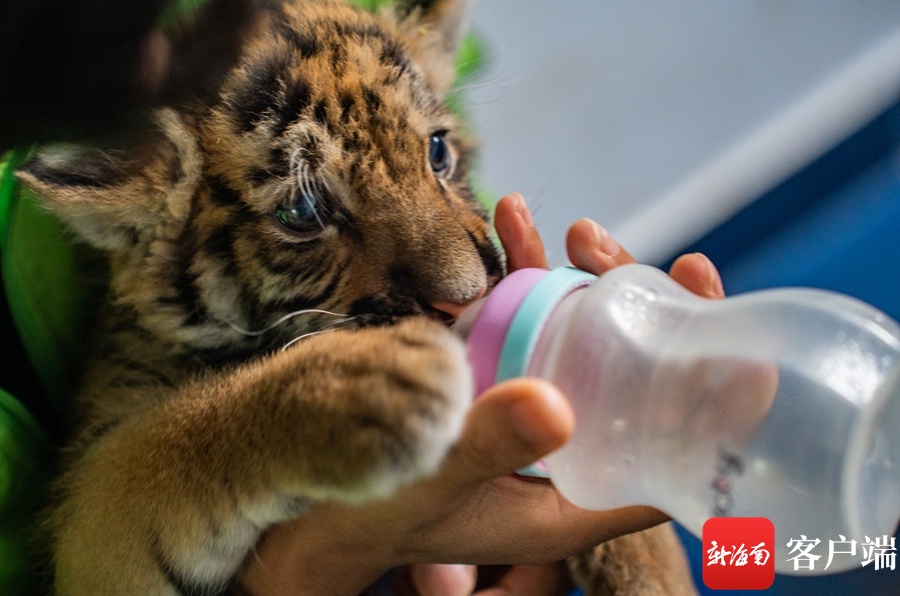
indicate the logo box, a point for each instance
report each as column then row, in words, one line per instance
column 739, row 553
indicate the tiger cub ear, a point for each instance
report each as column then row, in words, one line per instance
column 435, row 29
column 110, row 197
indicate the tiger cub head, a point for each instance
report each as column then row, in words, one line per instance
column 328, row 174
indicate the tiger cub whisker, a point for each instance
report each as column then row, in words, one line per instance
column 285, row 319
column 310, row 187
column 320, row 332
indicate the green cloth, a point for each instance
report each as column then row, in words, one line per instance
column 39, row 281
column 47, row 299
column 25, row 461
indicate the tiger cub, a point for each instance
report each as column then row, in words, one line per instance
column 282, row 263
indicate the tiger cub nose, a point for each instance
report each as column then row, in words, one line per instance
column 454, row 309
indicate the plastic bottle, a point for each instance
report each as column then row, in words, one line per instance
column 782, row 404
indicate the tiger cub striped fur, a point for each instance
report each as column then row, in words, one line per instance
column 282, row 263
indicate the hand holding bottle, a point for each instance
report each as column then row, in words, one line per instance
column 781, row 404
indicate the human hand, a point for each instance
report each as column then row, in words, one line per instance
column 591, row 249
column 473, row 511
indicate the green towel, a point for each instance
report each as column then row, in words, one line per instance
column 25, row 460
column 46, row 297
column 43, row 295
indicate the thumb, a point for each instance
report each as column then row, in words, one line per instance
column 511, row 425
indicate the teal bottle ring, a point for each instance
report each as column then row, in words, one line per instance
column 532, row 315
column 526, row 328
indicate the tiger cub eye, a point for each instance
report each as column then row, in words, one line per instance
column 439, row 156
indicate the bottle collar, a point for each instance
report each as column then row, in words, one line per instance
column 507, row 328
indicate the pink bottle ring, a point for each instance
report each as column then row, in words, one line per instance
column 507, row 328
column 488, row 333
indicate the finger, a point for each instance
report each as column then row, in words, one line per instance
column 591, row 248
column 511, row 425
column 520, row 239
column 698, row 274
column 155, row 57
column 443, row 580
column 539, row 580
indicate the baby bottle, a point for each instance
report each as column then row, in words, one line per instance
column 782, row 403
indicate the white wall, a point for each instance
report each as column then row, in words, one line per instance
column 655, row 117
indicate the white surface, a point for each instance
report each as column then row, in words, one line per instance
column 661, row 118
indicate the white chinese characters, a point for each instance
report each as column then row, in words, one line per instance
column 881, row 551
column 738, row 556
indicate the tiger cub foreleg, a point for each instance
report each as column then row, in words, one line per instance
column 172, row 499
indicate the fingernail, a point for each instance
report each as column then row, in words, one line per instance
column 538, row 423
column 715, row 280
column 605, row 242
column 522, row 209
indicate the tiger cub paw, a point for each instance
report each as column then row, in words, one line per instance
column 418, row 388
